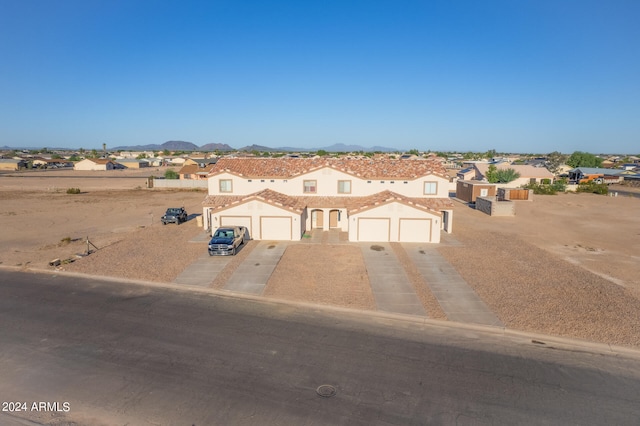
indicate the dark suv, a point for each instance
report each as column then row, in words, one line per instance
column 174, row 215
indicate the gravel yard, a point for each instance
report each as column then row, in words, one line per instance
column 565, row 265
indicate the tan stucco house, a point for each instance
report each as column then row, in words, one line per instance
column 370, row 200
column 195, row 171
column 12, row 164
column 528, row 174
column 95, row 164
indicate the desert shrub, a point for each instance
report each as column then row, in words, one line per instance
column 595, row 188
column 547, row 188
column 171, row 174
column 73, row 191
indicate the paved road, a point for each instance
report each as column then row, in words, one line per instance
column 128, row 354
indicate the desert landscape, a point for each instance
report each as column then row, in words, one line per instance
column 565, row 265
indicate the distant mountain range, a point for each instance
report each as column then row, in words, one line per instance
column 189, row 146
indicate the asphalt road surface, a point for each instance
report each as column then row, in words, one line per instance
column 93, row 352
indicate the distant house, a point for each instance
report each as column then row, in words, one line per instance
column 12, row 164
column 466, row 174
column 579, row 173
column 49, row 162
column 202, row 162
column 528, row 174
column 132, row 163
column 195, row 171
column 96, row 164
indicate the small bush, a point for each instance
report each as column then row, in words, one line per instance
column 73, row 191
column 171, row 174
column 595, row 188
column 546, row 188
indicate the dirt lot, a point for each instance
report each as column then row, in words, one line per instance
column 564, row 265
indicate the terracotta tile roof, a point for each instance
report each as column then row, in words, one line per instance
column 222, row 202
column 385, row 197
column 192, row 169
column 352, row 204
column 364, row 168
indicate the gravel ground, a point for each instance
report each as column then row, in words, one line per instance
column 531, row 289
column 304, row 274
column 565, row 265
column 155, row 253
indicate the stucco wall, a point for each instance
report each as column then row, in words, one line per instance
column 179, row 183
column 256, row 210
column 327, row 185
column 394, row 212
column 492, row 207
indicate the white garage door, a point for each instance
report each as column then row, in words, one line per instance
column 275, row 228
column 415, row 230
column 370, row 229
column 237, row 221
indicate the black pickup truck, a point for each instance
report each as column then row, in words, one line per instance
column 226, row 240
column 174, row 215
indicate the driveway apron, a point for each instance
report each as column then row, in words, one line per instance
column 458, row 301
column 252, row 276
column 203, row 271
column 390, row 285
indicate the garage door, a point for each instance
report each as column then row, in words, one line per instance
column 415, row 230
column 237, row 221
column 275, row 228
column 370, row 229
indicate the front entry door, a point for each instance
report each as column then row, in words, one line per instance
column 333, row 219
column 317, row 219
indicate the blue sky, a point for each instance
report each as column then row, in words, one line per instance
column 456, row 75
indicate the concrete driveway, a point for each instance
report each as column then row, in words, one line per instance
column 390, row 284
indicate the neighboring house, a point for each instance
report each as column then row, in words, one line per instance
column 96, row 164
column 579, row 173
column 202, row 162
column 133, row 163
column 466, row 174
column 136, row 154
column 49, row 162
column 528, row 174
column 196, row 171
column 371, row 200
column 175, row 161
column 12, row 164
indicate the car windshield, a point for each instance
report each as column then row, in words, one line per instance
column 173, row 211
column 223, row 233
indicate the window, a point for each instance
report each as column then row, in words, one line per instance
column 344, row 187
column 225, row 185
column 430, row 188
column 310, row 186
